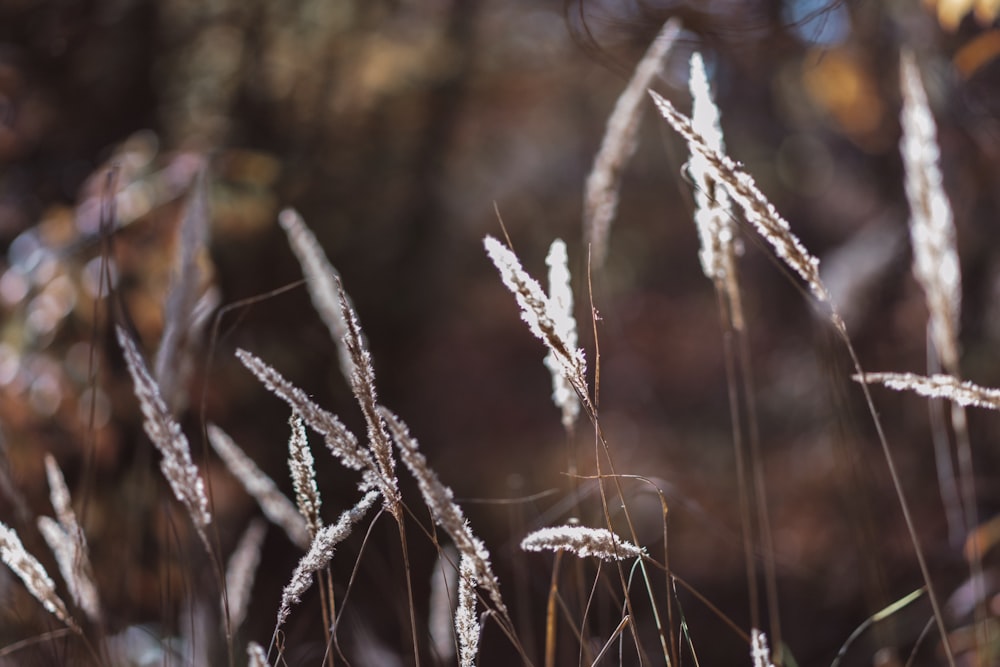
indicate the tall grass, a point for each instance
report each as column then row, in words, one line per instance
column 612, row 596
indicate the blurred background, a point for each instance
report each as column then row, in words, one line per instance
column 399, row 129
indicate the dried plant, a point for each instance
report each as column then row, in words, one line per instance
column 300, row 462
column 447, row 514
column 546, row 320
column 257, row 655
column 760, row 654
column 321, row 280
column 713, row 211
column 932, row 228
column 173, row 363
column 241, row 570
column 600, row 199
column 466, row 624
column 937, row 386
column 34, row 576
column 69, row 545
column 339, row 440
column 273, row 503
column 363, row 385
column 584, row 542
column 756, row 207
column 321, row 553
column 442, row 603
column 167, row 436
column 561, row 300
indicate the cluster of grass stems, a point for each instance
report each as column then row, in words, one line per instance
column 467, row 596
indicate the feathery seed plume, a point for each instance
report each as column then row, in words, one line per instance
column 932, row 227
column 446, row 512
column 545, row 320
column 600, row 199
column 363, row 385
column 756, row 207
column 583, row 542
column 173, row 363
column 241, row 571
column 466, row 624
column 561, row 299
column 339, row 440
column 713, row 209
column 300, row 461
column 69, row 545
column 937, row 386
column 166, row 434
column 34, row 576
column 273, row 503
column 321, row 278
column 321, row 553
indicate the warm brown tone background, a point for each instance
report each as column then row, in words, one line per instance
column 395, row 128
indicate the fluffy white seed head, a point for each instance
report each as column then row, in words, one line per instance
column 584, row 542
column 932, row 226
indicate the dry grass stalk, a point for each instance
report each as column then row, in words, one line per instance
column 34, row 576
column 443, row 600
column 241, row 570
column 937, row 386
column 466, row 624
column 760, row 654
column 756, row 207
column 932, row 228
column 584, row 542
column 273, row 503
column 173, row 360
column 713, row 210
column 363, row 385
column 320, row 554
column 257, row 655
column 166, row 434
column 339, row 440
column 446, row 512
column 69, row 545
column 300, row 462
column 600, row 199
column 561, row 299
column 321, row 279
column 545, row 320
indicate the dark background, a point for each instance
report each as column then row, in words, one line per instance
column 398, row 129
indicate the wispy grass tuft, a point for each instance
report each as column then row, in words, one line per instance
column 758, row 210
column 339, row 440
column 932, row 226
column 546, row 320
column 300, row 462
column 321, row 281
column 583, row 542
column 441, row 503
column 466, row 624
column 713, row 215
column 600, row 199
column 937, row 386
column 166, row 434
column 321, row 553
column 561, row 301
column 241, row 570
column 33, row 575
column 69, row 545
column 273, row 503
